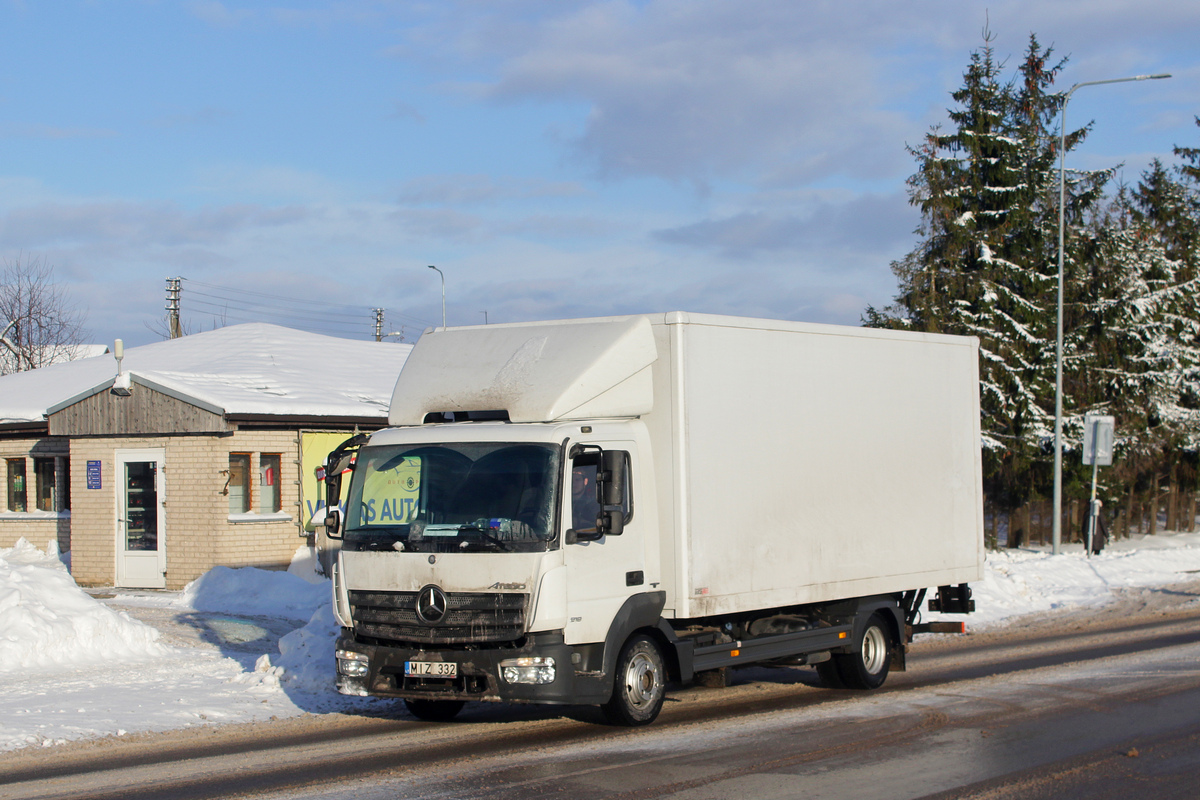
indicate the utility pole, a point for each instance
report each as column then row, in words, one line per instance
column 379, row 334
column 175, row 329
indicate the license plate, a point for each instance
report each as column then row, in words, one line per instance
column 431, row 669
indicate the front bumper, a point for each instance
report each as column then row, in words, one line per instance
column 479, row 672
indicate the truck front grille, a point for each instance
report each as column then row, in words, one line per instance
column 470, row 617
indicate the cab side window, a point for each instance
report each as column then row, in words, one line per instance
column 585, row 502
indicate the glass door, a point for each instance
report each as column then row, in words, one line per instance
column 141, row 555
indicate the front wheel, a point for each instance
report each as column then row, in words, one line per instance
column 866, row 666
column 640, row 684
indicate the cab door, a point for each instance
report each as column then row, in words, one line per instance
column 601, row 573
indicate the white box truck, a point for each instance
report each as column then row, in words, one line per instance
column 583, row 511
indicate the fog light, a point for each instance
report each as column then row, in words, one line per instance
column 352, row 664
column 528, row 670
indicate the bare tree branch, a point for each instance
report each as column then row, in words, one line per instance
column 42, row 325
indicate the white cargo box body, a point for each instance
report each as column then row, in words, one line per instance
column 793, row 463
column 814, row 462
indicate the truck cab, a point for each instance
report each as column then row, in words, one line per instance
column 489, row 561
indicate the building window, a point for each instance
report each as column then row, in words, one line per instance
column 66, row 485
column 16, row 484
column 46, row 491
column 238, row 486
column 270, row 499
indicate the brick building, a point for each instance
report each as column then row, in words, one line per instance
column 200, row 452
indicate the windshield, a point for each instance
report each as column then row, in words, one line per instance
column 453, row 497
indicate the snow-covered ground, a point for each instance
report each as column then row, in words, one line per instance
column 241, row 645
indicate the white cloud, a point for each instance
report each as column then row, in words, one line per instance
column 805, row 227
column 687, row 90
column 217, row 13
column 760, row 90
column 483, row 189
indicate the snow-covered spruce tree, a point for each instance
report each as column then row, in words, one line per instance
column 1133, row 347
column 1164, row 212
column 1190, row 168
column 986, row 263
column 1169, row 205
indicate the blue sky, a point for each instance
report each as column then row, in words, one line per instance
column 554, row 159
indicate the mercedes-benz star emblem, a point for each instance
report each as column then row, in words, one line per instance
column 431, row 605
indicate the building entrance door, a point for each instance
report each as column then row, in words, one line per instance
column 141, row 535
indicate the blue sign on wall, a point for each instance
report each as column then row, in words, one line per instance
column 93, row 474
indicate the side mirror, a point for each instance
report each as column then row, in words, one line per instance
column 333, row 522
column 611, row 478
column 334, row 468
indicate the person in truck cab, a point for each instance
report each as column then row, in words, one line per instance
column 584, row 505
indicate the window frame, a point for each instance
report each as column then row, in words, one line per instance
column 41, row 484
column 270, row 500
column 13, row 493
column 243, row 487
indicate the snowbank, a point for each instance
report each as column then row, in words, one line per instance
column 304, row 662
column 49, row 623
column 1025, row 581
column 306, row 654
column 255, row 592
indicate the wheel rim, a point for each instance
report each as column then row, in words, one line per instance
column 642, row 683
column 874, row 650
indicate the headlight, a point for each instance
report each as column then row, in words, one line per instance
column 351, row 664
column 528, row 670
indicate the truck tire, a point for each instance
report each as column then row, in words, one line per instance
column 866, row 665
column 434, row 710
column 639, row 684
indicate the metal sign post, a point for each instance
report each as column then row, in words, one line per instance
column 1098, row 433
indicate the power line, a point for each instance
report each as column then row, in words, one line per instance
column 295, row 319
column 318, row 305
column 239, row 306
column 305, row 314
column 321, row 307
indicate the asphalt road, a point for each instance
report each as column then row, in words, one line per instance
column 1092, row 705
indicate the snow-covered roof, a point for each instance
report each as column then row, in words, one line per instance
column 56, row 354
column 254, row 368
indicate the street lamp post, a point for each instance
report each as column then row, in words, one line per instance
column 1058, row 353
column 439, row 272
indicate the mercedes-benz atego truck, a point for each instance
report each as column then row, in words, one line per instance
column 584, row 511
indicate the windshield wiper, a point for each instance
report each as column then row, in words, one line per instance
column 485, row 535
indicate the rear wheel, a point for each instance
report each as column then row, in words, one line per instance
column 640, row 684
column 866, row 666
column 434, row 710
